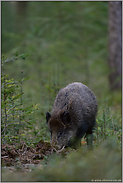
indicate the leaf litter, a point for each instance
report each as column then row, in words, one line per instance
column 23, row 156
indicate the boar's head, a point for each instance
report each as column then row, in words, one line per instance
column 60, row 128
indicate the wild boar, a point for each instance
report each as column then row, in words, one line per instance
column 73, row 116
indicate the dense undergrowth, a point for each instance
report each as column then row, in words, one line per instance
column 66, row 44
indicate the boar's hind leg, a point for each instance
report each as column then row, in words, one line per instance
column 76, row 141
column 89, row 137
column 80, row 133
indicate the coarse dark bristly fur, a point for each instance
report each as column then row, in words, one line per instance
column 73, row 115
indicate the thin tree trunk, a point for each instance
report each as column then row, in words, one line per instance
column 115, row 44
column 21, row 15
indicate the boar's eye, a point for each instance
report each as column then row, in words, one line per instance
column 60, row 133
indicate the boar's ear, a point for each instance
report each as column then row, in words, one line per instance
column 48, row 116
column 65, row 117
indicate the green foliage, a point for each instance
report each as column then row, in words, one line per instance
column 16, row 116
column 108, row 126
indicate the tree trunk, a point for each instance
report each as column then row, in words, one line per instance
column 21, row 8
column 115, row 44
column 21, row 15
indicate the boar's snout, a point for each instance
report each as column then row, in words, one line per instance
column 55, row 141
column 57, row 129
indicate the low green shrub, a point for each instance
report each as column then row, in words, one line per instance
column 17, row 120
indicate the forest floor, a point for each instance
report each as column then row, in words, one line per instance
column 21, row 156
column 24, row 156
column 21, row 162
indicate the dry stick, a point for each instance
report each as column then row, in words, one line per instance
column 8, row 60
column 12, row 59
